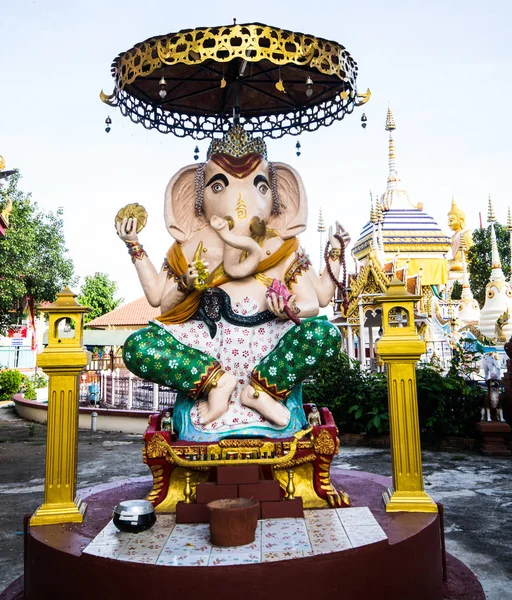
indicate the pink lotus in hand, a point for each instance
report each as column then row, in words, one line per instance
column 279, row 289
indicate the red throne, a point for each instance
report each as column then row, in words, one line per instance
column 307, row 455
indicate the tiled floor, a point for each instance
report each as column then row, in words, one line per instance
column 320, row 532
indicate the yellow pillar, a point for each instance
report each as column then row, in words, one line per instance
column 62, row 360
column 400, row 348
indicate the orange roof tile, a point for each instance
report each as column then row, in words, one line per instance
column 138, row 312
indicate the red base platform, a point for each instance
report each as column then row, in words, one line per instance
column 493, row 438
column 407, row 565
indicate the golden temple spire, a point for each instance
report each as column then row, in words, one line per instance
column 491, row 217
column 393, row 178
column 373, row 212
column 378, row 211
column 321, row 230
column 321, row 225
column 497, row 272
column 390, row 122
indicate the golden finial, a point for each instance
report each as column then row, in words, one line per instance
column 290, row 488
column 491, row 217
column 509, row 224
column 390, row 122
column 373, row 212
column 2, row 162
column 378, row 211
column 187, row 491
column 321, row 224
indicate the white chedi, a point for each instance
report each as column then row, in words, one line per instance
column 468, row 309
column 497, row 311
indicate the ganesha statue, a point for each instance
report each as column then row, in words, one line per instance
column 239, row 329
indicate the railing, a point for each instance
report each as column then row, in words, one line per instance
column 122, row 390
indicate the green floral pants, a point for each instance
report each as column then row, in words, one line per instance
column 155, row 355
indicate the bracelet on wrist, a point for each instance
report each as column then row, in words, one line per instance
column 135, row 250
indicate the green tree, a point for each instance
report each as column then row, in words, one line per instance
column 98, row 293
column 456, row 291
column 479, row 256
column 33, row 255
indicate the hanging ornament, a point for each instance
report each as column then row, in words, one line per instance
column 309, row 87
column 297, row 146
column 108, row 123
column 196, row 152
column 364, row 118
column 163, row 88
column 280, row 86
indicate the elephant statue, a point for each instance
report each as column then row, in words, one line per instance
column 234, row 347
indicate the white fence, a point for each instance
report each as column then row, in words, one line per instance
column 122, row 390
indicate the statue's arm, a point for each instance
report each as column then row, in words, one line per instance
column 152, row 282
column 324, row 284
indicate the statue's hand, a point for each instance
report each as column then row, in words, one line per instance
column 127, row 229
column 345, row 236
column 276, row 305
column 191, row 276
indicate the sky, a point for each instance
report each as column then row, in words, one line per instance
column 443, row 67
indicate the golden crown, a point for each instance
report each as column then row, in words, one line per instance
column 237, row 142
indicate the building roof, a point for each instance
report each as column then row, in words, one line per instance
column 400, row 225
column 136, row 313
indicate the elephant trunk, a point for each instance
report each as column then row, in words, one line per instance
column 235, row 245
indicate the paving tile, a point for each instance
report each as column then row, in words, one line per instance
column 242, row 558
column 183, row 560
column 360, row 515
column 246, row 548
column 277, row 556
column 111, row 550
column 183, row 546
column 291, row 535
column 362, row 535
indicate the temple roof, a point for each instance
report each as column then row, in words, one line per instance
column 403, row 226
column 410, row 230
column 132, row 314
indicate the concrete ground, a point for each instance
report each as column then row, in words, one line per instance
column 476, row 492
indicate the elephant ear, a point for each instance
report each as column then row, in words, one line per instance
column 294, row 207
column 179, row 210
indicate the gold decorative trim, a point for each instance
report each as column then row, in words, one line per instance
column 324, row 444
column 241, row 443
column 363, row 98
column 158, row 447
column 298, row 461
column 251, row 43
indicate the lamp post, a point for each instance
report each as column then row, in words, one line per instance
column 400, row 348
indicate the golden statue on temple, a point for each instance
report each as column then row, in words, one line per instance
column 461, row 238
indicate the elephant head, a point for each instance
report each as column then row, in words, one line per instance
column 239, row 198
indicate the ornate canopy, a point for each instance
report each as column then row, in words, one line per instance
column 197, row 82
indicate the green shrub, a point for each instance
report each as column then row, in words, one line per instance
column 10, row 383
column 27, row 388
column 40, row 380
column 356, row 398
column 448, row 404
